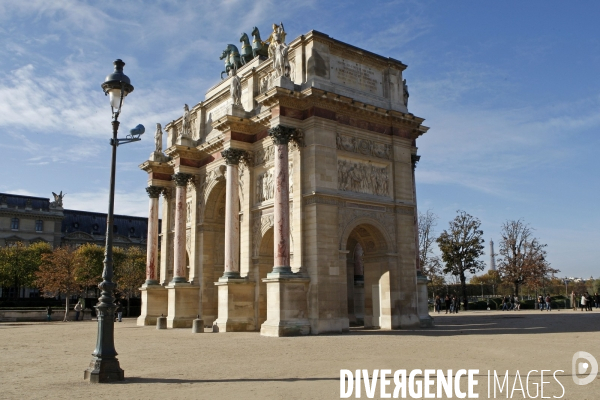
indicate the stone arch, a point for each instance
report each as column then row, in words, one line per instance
column 375, row 230
column 369, row 295
column 263, row 265
column 213, row 247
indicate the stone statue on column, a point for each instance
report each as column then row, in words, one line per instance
column 235, row 88
column 185, row 123
column 278, row 51
column 405, row 91
column 158, row 139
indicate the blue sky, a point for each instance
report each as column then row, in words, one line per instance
column 510, row 90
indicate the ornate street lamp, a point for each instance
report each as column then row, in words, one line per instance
column 104, row 366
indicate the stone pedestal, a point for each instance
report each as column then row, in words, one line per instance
column 236, row 111
column 422, row 306
column 154, row 304
column 183, row 304
column 283, row 82
column 287, row 308
column 236, row 305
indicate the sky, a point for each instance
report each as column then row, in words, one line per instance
column 510, row 90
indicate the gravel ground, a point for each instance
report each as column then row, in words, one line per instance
column 47, row 360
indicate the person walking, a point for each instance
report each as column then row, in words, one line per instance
column 573, row 299
column 77, row 309
column 588, row 301
column 548, row 302
column 49, row 313
column 597, row 297
column 438, row 304
column 541, row 302
column 119, row 311
column 517, row 306
column 447, row 302
column 583, row 301
column 456, row 304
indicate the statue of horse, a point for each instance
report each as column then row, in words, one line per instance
column 247, row 54
column 231, row 57
column 258, row 47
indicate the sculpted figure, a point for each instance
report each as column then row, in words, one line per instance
column 185, row 123
column 278, row 51
column 158, row 139
column 405, row 88
column 58, row 199
column 235, row 88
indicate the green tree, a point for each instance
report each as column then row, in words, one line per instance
column 130, row 273
column 57, row 275
column 461, row 246
column 19, row 263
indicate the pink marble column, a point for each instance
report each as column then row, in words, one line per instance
column 414, row 159
column 281, row 207
column 181, row 181
column 152, row 239
column 232, row 213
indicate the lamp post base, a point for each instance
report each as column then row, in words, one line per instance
column 103, row 371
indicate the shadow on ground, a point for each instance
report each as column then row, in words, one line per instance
column 501, row 323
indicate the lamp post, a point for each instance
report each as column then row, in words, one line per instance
column 104, row 366
column 567, row 293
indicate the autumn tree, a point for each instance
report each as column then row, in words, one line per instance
column 461, row 246
column 523, row 257
column 57, row 275
column 130, row 272
column 90, row 258
column 430, row 264
column 19, row 263
column 489, row 278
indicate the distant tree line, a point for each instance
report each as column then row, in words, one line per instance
column 522, row 257
column 69, row 271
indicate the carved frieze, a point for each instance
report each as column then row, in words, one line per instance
column 263, row 156
column 265, row 186
column 359, row 177
column 363, row 146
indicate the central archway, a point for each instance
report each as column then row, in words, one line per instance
column 368, row 278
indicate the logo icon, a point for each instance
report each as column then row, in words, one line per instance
column 583, row 367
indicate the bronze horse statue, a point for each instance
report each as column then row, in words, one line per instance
column 231, row 57
column 258, row 47
column 247, row 54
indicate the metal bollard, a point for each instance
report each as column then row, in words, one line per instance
column 161, row 322
column 198, row 325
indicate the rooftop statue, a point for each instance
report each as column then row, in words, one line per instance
column 278, row 51
column 231, row 57
column 405, row 89
column 58, row 199
column 158, row 139
column 259, row 48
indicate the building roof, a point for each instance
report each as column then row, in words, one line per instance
column 19, row 201
column 95, row 224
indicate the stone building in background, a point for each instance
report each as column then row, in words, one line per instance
column 290, row 209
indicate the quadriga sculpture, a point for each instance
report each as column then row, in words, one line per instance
column 258, row 47
column 231, row 57
column 247, row 54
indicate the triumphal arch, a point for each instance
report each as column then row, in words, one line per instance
column 288, row 195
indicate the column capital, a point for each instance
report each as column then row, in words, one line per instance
column 181, row 179
column 282, row 134
column 233, row 156
column 414, row 159
column 154, row 191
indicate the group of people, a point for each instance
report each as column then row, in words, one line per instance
column 452, row 304
column 511, row 303
column 545, row 302
column 585, row 300
column 78, row 308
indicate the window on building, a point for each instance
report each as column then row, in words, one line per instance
column 39, row 225
column 14, row 224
